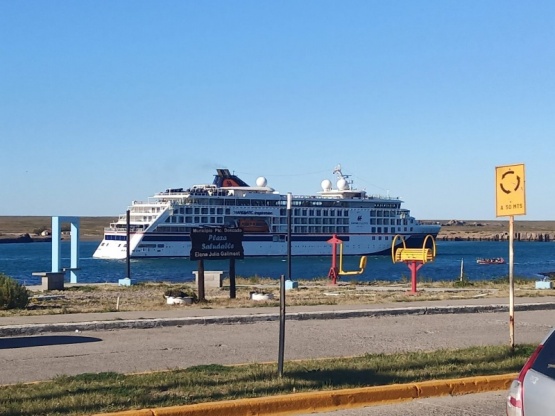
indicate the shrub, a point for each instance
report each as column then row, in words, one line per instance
column 39, row 230
column 12, row 294
column 181, row 293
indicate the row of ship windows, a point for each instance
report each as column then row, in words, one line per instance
column 179, row 219
column 245, row 202
column 303, row 229
column 298, row 212
column 149, row 245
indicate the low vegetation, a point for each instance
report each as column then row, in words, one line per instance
column 88, row 298
column 91, row 227
column 12, row 294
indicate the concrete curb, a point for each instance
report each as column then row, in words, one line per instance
column 323, row 401
column 33, row 329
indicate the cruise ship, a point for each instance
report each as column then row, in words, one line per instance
column 366, row 224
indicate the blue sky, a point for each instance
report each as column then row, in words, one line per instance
column 102, row 103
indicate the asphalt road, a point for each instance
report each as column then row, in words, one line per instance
column 43, row 357
column 483, row 404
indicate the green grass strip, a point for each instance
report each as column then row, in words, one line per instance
column 109, row 392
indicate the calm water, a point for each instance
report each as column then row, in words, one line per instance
column 530, row 259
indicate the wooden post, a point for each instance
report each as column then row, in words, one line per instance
column 201, row 296
column 232, row 290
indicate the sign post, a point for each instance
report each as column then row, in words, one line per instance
column 510, row 200
column 281, row 348
column 216, row 243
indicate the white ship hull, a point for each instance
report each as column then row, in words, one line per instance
column 354, row 245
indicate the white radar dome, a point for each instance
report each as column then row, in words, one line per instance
column 261, row 181
column 326, row 185
column 342, row 184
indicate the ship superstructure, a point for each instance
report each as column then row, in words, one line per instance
column 161, row 226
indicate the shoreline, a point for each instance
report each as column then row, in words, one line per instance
column 450, row 236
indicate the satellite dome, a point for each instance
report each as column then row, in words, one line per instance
column 261, row 181
column 326, row 185
column 342, row 184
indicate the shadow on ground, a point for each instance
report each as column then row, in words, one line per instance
column 41, row 341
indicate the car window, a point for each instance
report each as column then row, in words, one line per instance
column 545, row 363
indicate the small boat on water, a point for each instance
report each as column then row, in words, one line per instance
column 496, row 260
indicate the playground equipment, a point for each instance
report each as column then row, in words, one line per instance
column 414, row 258
column 335, row 271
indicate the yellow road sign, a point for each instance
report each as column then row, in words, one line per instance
column 510, row 197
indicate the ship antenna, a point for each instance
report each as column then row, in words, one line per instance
column 337, row 170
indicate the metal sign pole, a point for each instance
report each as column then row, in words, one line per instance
column 511, row 285
column 281, row 324
column 510, row 200
column 128, row 248
column 282, row 291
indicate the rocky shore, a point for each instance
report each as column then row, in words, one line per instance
column 24, row 238
column 456, row 230
column 468, row 236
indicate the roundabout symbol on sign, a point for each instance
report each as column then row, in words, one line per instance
column 509, row 172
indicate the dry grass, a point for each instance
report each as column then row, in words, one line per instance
column 88, row 298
